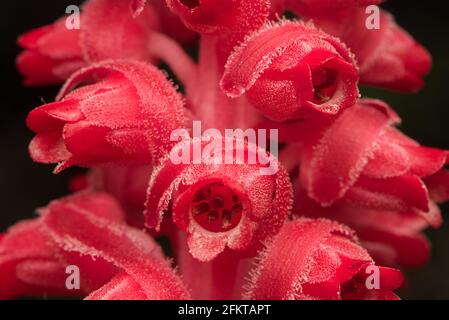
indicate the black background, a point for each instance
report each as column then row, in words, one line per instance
column 25, row 185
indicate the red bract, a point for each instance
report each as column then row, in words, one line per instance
column 290, row 68
column 318, row 259
column 169, row 22
column 52, row 53
column 219, row 205
column 388, row 57
column 125, row 117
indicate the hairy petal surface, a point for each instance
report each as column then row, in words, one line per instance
column 51, row 54
column 288, row 68
column 220, row 204
column 316, row 259
column 126, row 116
column 110, row 31
column 119, row 246
column 388, row 56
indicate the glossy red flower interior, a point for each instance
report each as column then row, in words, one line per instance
column 293, row 187
column 216, row 207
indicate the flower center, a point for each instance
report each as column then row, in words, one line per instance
column 324, row 84
column 191, row 4
column 216, row 208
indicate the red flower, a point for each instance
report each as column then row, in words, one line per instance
column 128, row 250
column 31, row 263
column 126, row 116
column 288, row 69
column 219, row 205
column 86, row 230
column 360, row 165
column 387, row 57
column 318, row 259
column 28, row 265
column 52, row 53
column 406, row 61
column 393, row 238
column 109, row 31
column 223, row 20
column 361, row 159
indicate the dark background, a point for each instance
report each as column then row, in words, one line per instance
column 25, row 185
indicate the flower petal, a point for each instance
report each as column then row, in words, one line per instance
column 111, row 32
column 121, row 287
column 124, row 247
column 344, row 151
column 438, row 185
column 307, row 259
column 289, row 66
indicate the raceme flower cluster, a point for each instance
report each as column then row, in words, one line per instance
column 348, row 200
